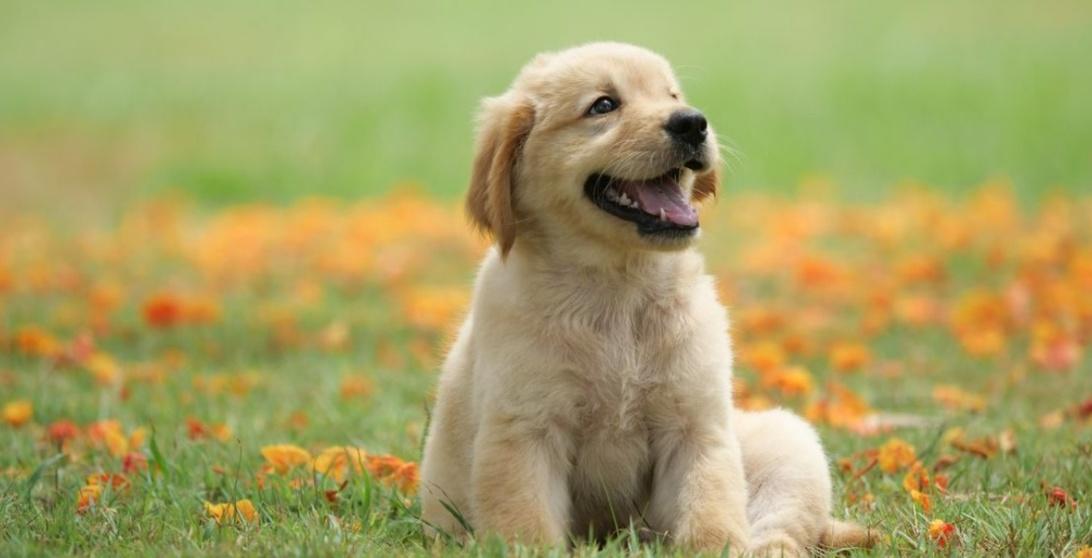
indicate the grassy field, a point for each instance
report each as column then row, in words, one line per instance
column 231, row 257
column 179, row 350
column 234, row 101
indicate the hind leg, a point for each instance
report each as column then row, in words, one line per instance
column 788, row 482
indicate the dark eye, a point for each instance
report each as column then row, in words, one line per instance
column 603, row 105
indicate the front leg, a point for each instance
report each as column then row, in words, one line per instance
column 519, row 482
column 699, row 494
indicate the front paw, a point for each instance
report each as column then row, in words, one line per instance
column 713, row 538
column 777, row 547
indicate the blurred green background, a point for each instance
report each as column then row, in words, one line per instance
column 102, row 103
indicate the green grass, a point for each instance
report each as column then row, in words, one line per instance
column 999, row 505
column 234, row 101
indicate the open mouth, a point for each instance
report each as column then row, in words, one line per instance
column 658, row 206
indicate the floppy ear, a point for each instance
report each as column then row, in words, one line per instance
column 705, row 184
column 504, row 124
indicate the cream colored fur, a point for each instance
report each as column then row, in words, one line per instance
column 589, row 388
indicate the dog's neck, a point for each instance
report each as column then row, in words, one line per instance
column 550, row 256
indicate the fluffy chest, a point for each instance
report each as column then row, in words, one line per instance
column 619, row 356
column 627, row 382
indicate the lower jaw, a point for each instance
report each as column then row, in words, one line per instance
column 654, row 230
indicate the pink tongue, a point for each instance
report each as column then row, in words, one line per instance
column 663, row 197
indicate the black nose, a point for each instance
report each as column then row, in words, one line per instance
column 687, row 126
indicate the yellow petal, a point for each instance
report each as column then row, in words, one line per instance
column 285, row 457
column 17, row 413
column 227, row 512
column 338, row 461
column 896, row 454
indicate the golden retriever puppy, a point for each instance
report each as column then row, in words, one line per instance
column 589, row 389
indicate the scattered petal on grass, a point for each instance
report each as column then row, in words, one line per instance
column 91, row 492
column 103, row 368
column 985, row 342
column 87, row 496
column 227, row 513
column 896, row 454
column 917, row 478
column 984, row 447
column 34, row 341
column 1057, row 496
column 839, row 407
column 163, row 310
column 941, row 482
column 137, row 436
column 392, row 470
column 765, row 356
column 922, row 499
column 791, row 381
column 356, row 385
column 197, row 430
column 849, row 357
column 955, row 398
column 433, row 308
column 17, row 413
column 62, row 431
column 1054, row 349
column 109, row 434
column 239, row 384
column 286, row 457
column 200, row 309
column 339, row 462
column 113, row 480
column 1084, row 409
column 941, row 532
column 134, row 462
column 917, row 311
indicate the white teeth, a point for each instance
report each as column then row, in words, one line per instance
column 663, row 216
column 620, row 198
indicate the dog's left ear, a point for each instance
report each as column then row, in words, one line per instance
column 705, row 184
column 504, row 124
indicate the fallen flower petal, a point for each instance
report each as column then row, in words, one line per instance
column 242, row 510
column 163, row 310
column 922, row 500
column 17, row 413
column 134, row 462
column 1057, row 496
column 87, row 496
column 941, row 532
column 62, row 431
column 896, row 454
column 285, row 457
column 338, row 462
column 849, row 357
column 955, row 398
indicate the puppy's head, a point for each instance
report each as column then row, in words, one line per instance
column 597, row 142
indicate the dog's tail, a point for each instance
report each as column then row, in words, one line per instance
column 843, row 534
